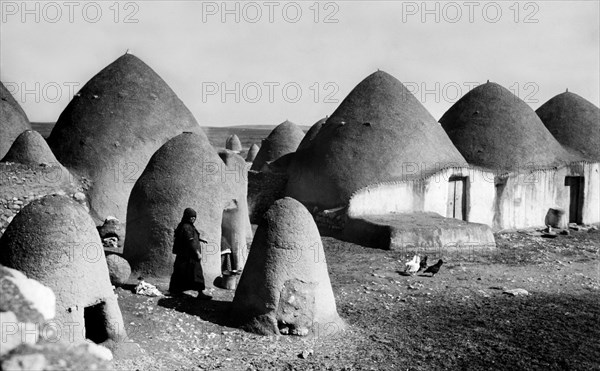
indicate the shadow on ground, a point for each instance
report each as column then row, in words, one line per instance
column 213, row 311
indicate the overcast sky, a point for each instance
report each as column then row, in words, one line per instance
column 297, row 60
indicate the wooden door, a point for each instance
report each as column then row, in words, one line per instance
column 457, row 199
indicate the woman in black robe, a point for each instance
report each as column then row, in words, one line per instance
column 187, row 270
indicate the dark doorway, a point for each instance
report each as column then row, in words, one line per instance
column 575, row 183
column 95, row 323
column 457, row 198
column 229, row 243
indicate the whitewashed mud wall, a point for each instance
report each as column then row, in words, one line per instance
column 429, row 195
column 526, row 198
column 591, row 195
column 515, row 201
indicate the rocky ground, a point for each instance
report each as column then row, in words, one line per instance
column 459, row 319
column 21, row 184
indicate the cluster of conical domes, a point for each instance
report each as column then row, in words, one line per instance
column 113, row 125
column 494, row 129
column 377, row 130
column 13, row 120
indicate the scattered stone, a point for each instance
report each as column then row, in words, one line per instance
column 147, row 289
column 483, row 293
column 110, row 242
column 565, row 232
column 118, row 269
column 112, row 228
column 25, row 362
column 79, row 197
column 516, row 292
column 300, row 331
column 305, row 354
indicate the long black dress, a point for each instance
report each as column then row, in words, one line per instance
column 187, row 270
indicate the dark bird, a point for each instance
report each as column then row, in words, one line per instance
column 423, row 264
column 434, row 268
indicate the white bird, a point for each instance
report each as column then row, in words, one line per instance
column 412, row 266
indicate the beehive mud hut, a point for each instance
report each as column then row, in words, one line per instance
column 285, row 287
column 111, row 128
column 252, row 152
column 30, row 148
column 54, row 240
column 233, row 143
column 284, row 139
column 185, row 172
column 377, row 133
column 13, row 120
column 575, row 123
column 495, row 129
column 311, row 134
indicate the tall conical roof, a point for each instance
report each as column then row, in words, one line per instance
column 285, row 283
column 574, row 122
column 311, row 133
column 252, row 152
column 493, row 128
column 233, row 143
column 380, row 132
column 185, row 172
column 13, row 120
column 113, row 125
column 30, row 148
column 284, row 139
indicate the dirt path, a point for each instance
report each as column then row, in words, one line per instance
column 460, row 319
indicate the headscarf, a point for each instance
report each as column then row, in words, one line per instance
column 188, row 214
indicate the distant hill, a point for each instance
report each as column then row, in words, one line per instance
column 217, row 135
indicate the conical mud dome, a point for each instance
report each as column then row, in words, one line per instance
column 252, row 152
column 494, row 129
column 285, row 286
column 284, row 139
column 311, row 134
column 379, row 133
column 54, row 240
column 574, row 122
column 233, row 143
column 185, row 172
column 30, row 149
column 13, row 120
column 113, row 125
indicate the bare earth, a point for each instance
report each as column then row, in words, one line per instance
column 460, row 319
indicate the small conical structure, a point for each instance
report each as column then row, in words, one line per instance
column 236, row 229
column 379, row 133
column 30, row 148
column 494, row 129
column 54, row 240
column 233, row 143
column 185, row 172
column 574, row 122
column 252, row 152
column 13, row 120
column 284, row 139
column 311, row 134
column 285, row 287
column 113, row 125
